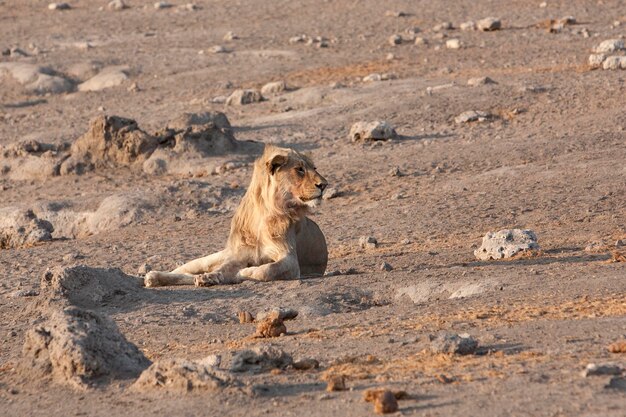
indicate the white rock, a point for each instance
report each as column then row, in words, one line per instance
column 472, row 116
column 242, row 97
column 107, row 78
column 479, row 81
column 298, row 39
column 614, row 62
column 230, row 36
column 395, row 40
column 453, row 44
column 610, row 45
column 372, row 77
column 162, row 5
column 367, row 131
column 368, row 242
column 543, row 5
column 595, row 60
column 420, row 41
column 506, row 243
column 488, row 24
column 59, row 6
column 443, row 26
column 468, row 25
column 272, row 88
column 117, row 5
column 218, row 49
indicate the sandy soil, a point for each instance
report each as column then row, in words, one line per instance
column 551, row 159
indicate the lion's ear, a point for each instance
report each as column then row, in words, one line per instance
column 276, row 161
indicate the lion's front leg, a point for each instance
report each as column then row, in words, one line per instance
column 283, row 269
column 186, row 274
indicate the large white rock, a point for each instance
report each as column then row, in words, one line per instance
column 366, row 131
column 506, row 243
column 107, row 78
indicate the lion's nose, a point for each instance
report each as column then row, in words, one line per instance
column 321, row 185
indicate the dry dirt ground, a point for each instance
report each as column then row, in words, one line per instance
column 551, row 159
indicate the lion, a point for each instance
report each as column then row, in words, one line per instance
column 271, row 238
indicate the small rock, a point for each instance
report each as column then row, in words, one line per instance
column 24, row 293
column 211, row 361
column 372, row 77
column 59, row 6
column 479, row 81
column 133, row 88
column 260, row 359
column 336, row 383
column 595, row 247
column 367, row 131
column 390, row 57
column 385, row 403
column 619, row 243
column 273, row 88
column 465, row 26
column 453, row 44
column 144, row 269
column 190, row 7
column 443, row 26
column 280, row 312
column 395, row 40
column 271, row 326
column 71, row 257
column 420, row 41
column 472, row 116
column 189, row 311
column 330, row 193
column 107, row 78
column 617, row 347
column 159, row 5
column 506, row 243
column 218, row 49
column 306, row 364
column 230, row 36
column 395, row 172
column 243, row 97
column 614, row 62
column 488, row 24
column 245, row 317
column 368, row 242
column 386, row 267
column 610, row 45
column 461, row 344
column 543, row 5
column 117, row 5
column 298, row 39
column 593, row 369
column 393, row 13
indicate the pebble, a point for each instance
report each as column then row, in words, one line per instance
column 298, row 39
column 479, row 81
column 144, row 268
column 593, row 369
column 336, row 383
column 372, row 77
column 461, row 344
column 609, row 45
column 275, row 87
column 218, row 49
column 59, row 6
column 117, row 5
column 306, row 364
column 443, row 26
column 488, row 24
column 453, row 44
column 386, row 267
column 395, row 172
column 368, row 242
column 393, row 13
column 468, row 26
column 162, row 5
column 230, row 36
column 420, row 41
column 395, row 40
column 243, row 97
column 471, row 116
column 24, row 293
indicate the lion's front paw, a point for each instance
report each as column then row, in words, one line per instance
column 208, row 279
column 152, row 279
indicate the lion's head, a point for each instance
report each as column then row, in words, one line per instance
column 288, row 180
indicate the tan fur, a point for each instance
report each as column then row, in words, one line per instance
column 270, row 236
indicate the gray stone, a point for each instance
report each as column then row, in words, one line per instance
column 472, row 116
column 260, row 359
column 468, row 26
column 273, row 88
column 180, row 375
column 488, row 24
column 395, row 40
column 22, row 228
column 368, row 131
column 593, row 369
column 242, row 97
column 479, row 81
column 386, row 267
column 614, row 62
column 330, row 193
column 609, row 45
column 460, row 344
column 368, row 242
column 107, row 78
column 506, row 243
column 281, row 313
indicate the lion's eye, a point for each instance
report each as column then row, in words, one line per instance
column 300, row 171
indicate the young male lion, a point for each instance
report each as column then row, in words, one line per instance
column 270, row 236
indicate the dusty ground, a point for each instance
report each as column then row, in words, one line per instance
column 551, row 161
